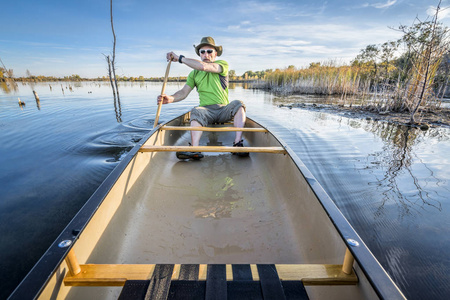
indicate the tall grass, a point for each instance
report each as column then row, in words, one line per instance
column 397, row 93
column 319, row 79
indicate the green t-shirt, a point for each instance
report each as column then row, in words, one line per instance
column 212, row 87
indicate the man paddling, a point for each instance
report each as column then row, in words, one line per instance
column 211, row 79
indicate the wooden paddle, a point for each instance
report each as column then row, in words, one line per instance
column 162, row 92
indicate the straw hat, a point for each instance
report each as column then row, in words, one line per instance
column 208, row 41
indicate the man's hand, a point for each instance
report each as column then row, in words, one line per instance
column 165, row 99
column 172, row 56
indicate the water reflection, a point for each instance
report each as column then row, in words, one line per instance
column 117, row 108
column 395, row 161
column 21, row 104
column 8, row 86
column 403, row 178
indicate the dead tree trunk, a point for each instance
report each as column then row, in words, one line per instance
column 114, row 51
column 108, row 60
column 111, row 62
column 430, row 56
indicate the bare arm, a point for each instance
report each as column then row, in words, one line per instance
column 178, row 96
column 202, row 66
column 197, row 64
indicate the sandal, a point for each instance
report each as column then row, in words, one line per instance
column 240, row 144
column 189, row 154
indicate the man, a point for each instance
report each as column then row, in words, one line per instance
column 211, row 79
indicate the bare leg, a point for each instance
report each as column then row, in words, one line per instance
column 239, row 121
column 196, row 135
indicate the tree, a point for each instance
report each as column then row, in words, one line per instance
column 368, row 59
column 388, row 50
column 75, row 77
column 427, row 42
column 443, row 76
column 249, row 75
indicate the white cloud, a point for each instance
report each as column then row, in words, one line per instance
column 279, row 45
column 443, row 13
column 237, row 27
column 255, row 8
column 380, row 5
column 384, row 5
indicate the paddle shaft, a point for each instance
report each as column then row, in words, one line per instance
column 162, row 92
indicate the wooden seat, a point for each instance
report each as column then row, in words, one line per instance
column 279, row 150
column 216, row 286
column 213, row 129
column 118, row 274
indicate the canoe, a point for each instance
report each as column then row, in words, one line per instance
column 258, row 227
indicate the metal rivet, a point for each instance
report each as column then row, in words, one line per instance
column 65, row 244
column 352, row 242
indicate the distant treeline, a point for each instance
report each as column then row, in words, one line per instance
column 75, row 77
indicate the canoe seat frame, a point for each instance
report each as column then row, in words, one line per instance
column 118, row 274
column 274, row 150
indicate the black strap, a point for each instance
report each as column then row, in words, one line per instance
column 134, row 289
column 242, row 272
column 244, row 290
column 180, row 58
column 216, row 282
column 270, row 282
column 243, row 287
column 189, row 272
column 187, row 290
column 294, row 290
column 160, row 282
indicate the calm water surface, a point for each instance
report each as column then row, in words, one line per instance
column 391, row 182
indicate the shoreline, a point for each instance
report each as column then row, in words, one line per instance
column 425, row 119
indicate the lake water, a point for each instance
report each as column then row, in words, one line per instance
column 391, row 182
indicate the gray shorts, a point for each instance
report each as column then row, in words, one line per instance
column 216, row 113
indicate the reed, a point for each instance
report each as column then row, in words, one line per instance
column 7, row 82
column 320, row 79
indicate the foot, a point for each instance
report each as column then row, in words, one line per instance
column 240, row 144
column 189, row 154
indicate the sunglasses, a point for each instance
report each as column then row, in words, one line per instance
column 210, row 51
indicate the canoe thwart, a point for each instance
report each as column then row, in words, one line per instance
column 118, row 274
column 279, row 150
column 215, row 129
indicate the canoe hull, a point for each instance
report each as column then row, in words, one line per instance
column 224, row 209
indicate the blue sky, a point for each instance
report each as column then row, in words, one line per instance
column 70, row 37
